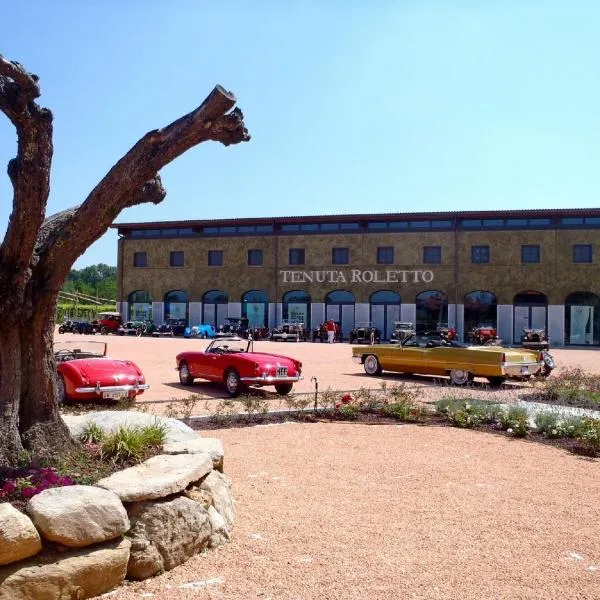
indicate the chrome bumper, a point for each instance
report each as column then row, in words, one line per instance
column 521, row 369
column 271, row 379
column 100, row 389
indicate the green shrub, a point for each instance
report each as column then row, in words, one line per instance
column 348, row 411
column 92, row 434
column 589, row 434
column 571, row 426
column 515, row 421
column 548, row 425
column 132, row 443
column 403, row 411
column 468, row 412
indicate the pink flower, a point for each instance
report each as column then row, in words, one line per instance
column 28, row 492
column 9, row 487
column 337, row 406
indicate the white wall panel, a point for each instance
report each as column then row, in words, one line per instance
column 361, row 313
column 317, row 314
column 408, row 313
column 459, row 323
column 195, row 313
column 556, row 324
column 158, row 312
column 234, row 309
column 272, row 315
column 505, row 323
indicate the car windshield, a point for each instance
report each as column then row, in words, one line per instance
column 79, row 349
column 228, row 345
column 425, row 341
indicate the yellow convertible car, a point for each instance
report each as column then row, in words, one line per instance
column 461, row 363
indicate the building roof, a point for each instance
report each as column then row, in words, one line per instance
column 340, row 218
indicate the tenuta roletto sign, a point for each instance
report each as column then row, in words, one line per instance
column 357, row 276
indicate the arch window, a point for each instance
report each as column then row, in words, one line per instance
column 215, row 305
column 582, row 318
column 339, row 306
column 296, row 305
column 480, row 308
column 176, row 305
column 431, row 310
column 530, row 311
column 255, row 307
column 140, row 305
column 384, row 309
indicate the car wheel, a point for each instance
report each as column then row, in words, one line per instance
column 61, row 395
column 459, row 376
column 61, row 329
column 233, row 385
column 138, row 332
column 372, row 365
column 283, row 389
column 496, row 381
column 104, row 330
column 185, row 377
column 549, row 364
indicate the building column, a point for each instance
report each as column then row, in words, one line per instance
column 158, row 313
column 459, row 320
column 278, row 313
column 317, row 314
column 504, row 317
column 195, row 313
column 408, row 313
column 234, row 309
column 123, row 308
column 556, row 324
column 272, row 318
column 361, row 313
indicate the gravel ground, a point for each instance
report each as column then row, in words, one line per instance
column 341, row 511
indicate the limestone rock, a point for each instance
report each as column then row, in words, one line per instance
column 76, row 574
column 219, row 532
column 218, row 485
column 19, row 538
column 212, row 446
column 201, row 496
column 78, row 515
column 165, row 534
column 158, row 477
column 111, row 420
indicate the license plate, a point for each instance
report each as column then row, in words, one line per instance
column 524, row 370
column 114, row 394
column 281, row 371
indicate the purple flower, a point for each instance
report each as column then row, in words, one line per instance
column 9, row 487
column 28, row 492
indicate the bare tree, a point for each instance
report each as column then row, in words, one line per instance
column 38, row 252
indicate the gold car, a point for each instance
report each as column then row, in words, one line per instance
column 461, row 363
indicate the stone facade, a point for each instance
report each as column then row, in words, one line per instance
column 505, row 274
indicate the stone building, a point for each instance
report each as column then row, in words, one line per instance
column 513, row 269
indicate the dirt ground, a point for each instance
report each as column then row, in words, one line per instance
column 337, row 510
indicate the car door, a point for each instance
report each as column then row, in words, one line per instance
column 408, row 359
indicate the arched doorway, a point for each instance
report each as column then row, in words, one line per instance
column 384, row 310
column 140, row 306
column 582, row 319
column 296, row 305
column 431, row 309
column 480, row 308
column 214, row 307
column 176, row 305
column 530, row 311
column 255, row 307
column 339, row 306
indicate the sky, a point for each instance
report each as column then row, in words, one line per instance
column 353, row 106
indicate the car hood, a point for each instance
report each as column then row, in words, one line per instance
column 266, row 357
column 99, row 368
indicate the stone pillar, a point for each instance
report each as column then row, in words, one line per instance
column 361, row 313
column 556, row 324
column 195, row 313
column 272, row 315
column 278, row 313
column 451, row 315
column 317, row 314
column 505, row 323
column 158, row 313
column 123, row 308
column 234, row 309
column 408, row 313
column 459, row 313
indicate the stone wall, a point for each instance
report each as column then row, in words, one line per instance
column 81, row 541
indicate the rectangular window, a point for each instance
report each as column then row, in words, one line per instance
column 480, row 254
column 177, row 259
column 140, row 259
column 296, row 256
column 432, row 255
column 420, row 224
column 339, row 256
column 530, row 254
column 330, row 226
column 215, row 258
column 471, row 223
column 572, row 221
column 493, row 222
column 385, row 255
column 349, row 226
column 290, row 228
column 582, row 253
column 516, row 222
column 255, row 258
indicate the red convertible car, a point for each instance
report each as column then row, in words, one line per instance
column 232, row 361
column 84, row 372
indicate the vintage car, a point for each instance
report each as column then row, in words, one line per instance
column 536, row 339
column 484, row 335
column 402, row 330
column 137, row 328
column 233, row 326
column 461, row 363
column 233, row 362
column 199, row 331
column 320, row 333
column 441, row 332
column 289, row 331
column 84, row 372
column 109, row 322
column 163, row 330
column 78, row 327
column 177, row 326
column 364, row 332
column 259, row 333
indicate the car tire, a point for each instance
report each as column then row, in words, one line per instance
column 496, row 381
column 185, row 377
column 372, row 365
column 233, row 384
column 61, row 329
column 460, row 377
column 61, row 396
column 104, row 330
column 283, row 389
column 549, row 364
column 138, row 332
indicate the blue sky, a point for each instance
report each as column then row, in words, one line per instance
column 354, row 106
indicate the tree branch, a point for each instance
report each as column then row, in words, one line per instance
column 133, row 179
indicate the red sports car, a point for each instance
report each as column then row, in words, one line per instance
column 232, row 361
column 84, row 372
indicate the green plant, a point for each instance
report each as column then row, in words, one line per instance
column 92, row 433
column 547, row 424
column 406, row 410
column 571, row 426
column 132, row 443
column 348, row 411
column 515, row 421
column 589, row 434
